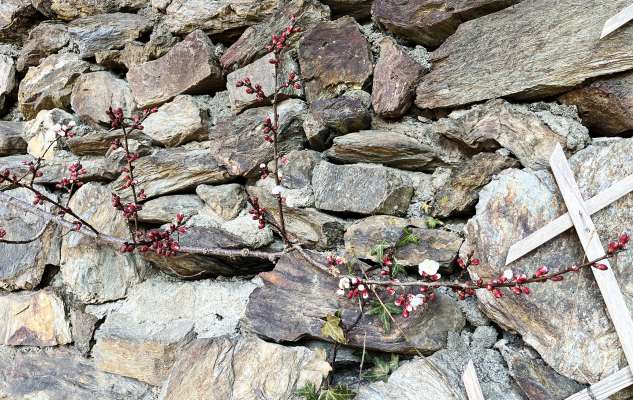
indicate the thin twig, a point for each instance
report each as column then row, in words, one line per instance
column 26, row 241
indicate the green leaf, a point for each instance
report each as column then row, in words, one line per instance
column 379, row 251
column 339, row 392
column 407, row 237
column 433, row 223
column 382, row 368
column 397, row 268
column 308, row 392
column 383, row 313
column 332, row 328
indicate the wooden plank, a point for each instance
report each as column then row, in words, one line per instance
column 471, row 383
column 588, row 235
column 564, row 222
column 617, row 21
column 606, row 387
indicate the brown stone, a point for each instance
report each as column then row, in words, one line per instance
column 16, row 16
column 333, row 56
column 189, row 67
column 178, row 122
column 69, row 10
column 12, row 138
column 359, row 9
column 395, row 77
column 44, row 40
column 94, row 93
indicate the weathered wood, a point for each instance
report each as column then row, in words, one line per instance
column 613, row 298
column 606, row 387
column 617, row 21
column 471, row 383
column 564, row 222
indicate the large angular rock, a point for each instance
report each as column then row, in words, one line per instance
column 189, row 67
column 605, row 104
column 295, row 286
column 95, row 92
column 62, row 374
column 163, row 210
column 225, row 201
column 555, row 317
column 435, row 244
column 50, row 84
column 69, row 10
column 106, row 31
column 472, row 65
column 45, row 39
column 7, row 79
column 12, row 138
column 245, row 368
column 33, row 319
column 530, row 132
column 395, row 77
column 96, row 272
column 361, row 188
column 222, row 17
column 41, row 132
column 161, row 315
column 252, row 44
column 178, row 122
column 16, row 16
column 173, row 170
column 22, row 265
column 334, row 56
column 238, row 144
column 430, row 22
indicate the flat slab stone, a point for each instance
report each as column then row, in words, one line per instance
column 12, row 138
column 68, row 10
column 163, row 210
column 178, row 122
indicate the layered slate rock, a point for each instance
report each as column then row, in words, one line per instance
column 163, row 210
column 190, row 67
column 605, row 104
column 225, row 201
column 62, row 374
column 97, row 272
column 95, row 92
column 395, row 77
column 222, row 17
column 44, row 40
column 237, row 142
column 7, row 79
column 161, row 315
column 252, row 43
column 68, row 10
column 178, row 122
column 300, row 296
column 334, row 56
column 97, row 141
column 459, row 193
column 22, row 265
column 518, row 203
column 434, row 244
column 50, row 84
column 529, row 132
column 33, row 319
column 245, row 368
column 172, row 170
column 106, row 31
column 472, row 65
column 361, row 188
column 429, row 22
column 12, row 138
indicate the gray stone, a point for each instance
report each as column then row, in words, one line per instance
column 45, row 39
column 190, row 67
column 177, row 122
column 7, row 79
column 12, row 138
column 96, row 272
column 69, row 10
column 159, row 316
column 435, row 244
column 50, row 84
column 97, row 141
column 247, row 229
column 94, row 93
column 361, row 188
column 163, row 210
column 41, row 132
column 473, row 64
column 245, row 368
column 296, row 168
column 83, row 326
column 225, row 201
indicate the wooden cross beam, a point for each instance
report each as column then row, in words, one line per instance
column 579, row 214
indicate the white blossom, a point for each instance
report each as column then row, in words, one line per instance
column 430, row 267
column 344, row 283
column 508, row 274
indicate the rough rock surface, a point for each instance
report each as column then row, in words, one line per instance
column 245, row 368
column 41, row 132
column 33, row 319
column 225, row 201
column 7, row 79
column 96, row 272
column 359, row 9
column 177, row 122
column 190, row 67
column 70, row 9
column 50, row 84
column 44, row 40
column 16, row 16
column 95, row 92
column 12, row 138
column 158, row 317
column 163, row 210
column 361, row 188
column 434, row 244
column 520, row 202
column 300, row 296
column 473, row 64
column 334, row 56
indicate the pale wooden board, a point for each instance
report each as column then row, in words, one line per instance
column 606, row 387
column 471, row 383
column 611, row 294
column 617, row 21
column 564, row 222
